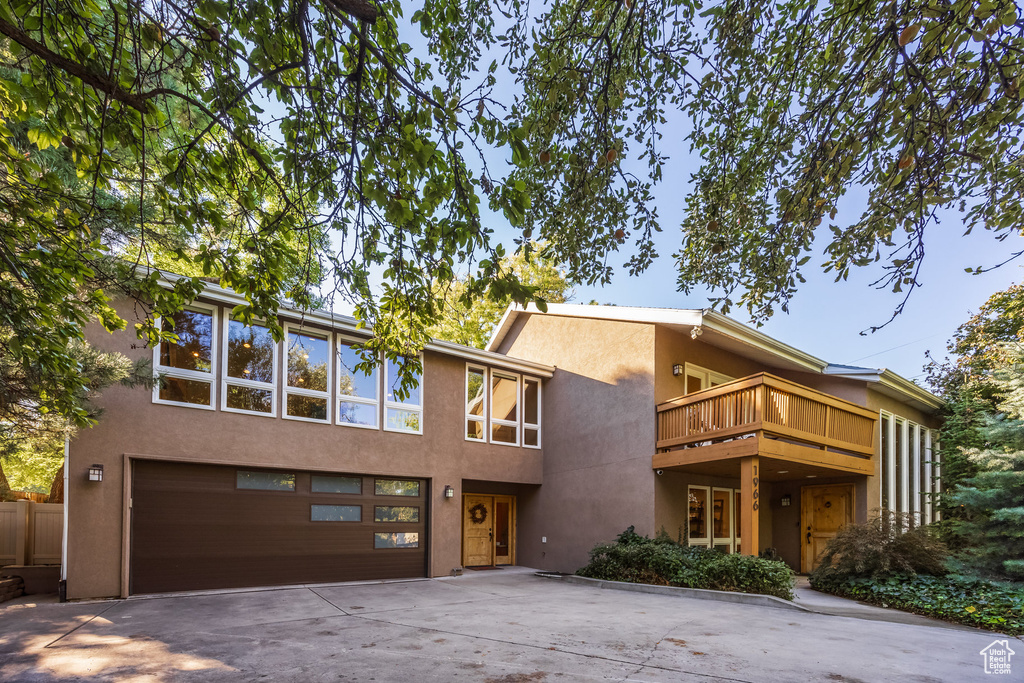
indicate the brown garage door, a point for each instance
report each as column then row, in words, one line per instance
column 201, row 526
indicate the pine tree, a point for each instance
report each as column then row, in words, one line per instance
column 991, row 523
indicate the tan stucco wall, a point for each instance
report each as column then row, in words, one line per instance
column 598, row 440
column 133, row 425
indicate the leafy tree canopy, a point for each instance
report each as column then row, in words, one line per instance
column 266, row 144
column 469, row 322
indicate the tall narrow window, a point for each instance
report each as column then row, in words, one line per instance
column 403, row 413
column 358, row 392
column 186, row 366
column 504, row 408
column 899, row 453
column 531, row 412
column 308, row 381
column 476, row 403
column 250, row 364
column 884, row 445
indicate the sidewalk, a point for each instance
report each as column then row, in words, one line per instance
column 824, row 603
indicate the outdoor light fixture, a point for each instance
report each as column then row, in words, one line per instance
column 96, row 473
column 677, row 369
column 696, row 331
column 786, row 501
column 449, row 492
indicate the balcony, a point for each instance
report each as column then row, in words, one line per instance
column 800, row 430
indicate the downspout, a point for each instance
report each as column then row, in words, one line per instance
column 62, row 588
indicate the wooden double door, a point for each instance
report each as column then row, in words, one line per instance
column 488, row 530
column 824, row 510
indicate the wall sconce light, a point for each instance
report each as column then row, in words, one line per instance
column 677, row 369
column 449, row 492
column 786, row 501
column 96, row 473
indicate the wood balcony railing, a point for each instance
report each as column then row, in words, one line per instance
column 770, row 406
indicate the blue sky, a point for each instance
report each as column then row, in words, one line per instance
column 825, row 318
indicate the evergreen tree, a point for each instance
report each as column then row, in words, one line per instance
column 990, row 526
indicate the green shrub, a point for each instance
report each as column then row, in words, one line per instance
column 965, row 600
column 661, row 561
column 884, row 546
column 741, row 573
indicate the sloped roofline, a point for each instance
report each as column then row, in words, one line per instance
column 888, row 382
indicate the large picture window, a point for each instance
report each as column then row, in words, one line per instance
column 403, row 414
column 358, row 392
column 308, row 378
column 185, row 367
column 250, row 369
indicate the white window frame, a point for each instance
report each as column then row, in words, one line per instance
column 540, row 406
column 926, row 485
column 482, row 419
column 287, row 390
column 345, row 398
column 226, row 381
column 179, row 373
column 706, row 377
column 904, row 455
column 408, row 407
column 722, row 540
column 504, row 374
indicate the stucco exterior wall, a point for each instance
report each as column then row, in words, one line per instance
column 134, row 427
column 598, row 440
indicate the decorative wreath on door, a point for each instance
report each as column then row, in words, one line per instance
column 478, row 513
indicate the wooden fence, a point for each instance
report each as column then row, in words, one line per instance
column 31, row 533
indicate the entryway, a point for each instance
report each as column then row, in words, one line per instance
column 488, row 530
column 824, row 509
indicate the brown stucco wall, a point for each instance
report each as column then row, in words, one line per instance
column 599, row 426
column 133, row 426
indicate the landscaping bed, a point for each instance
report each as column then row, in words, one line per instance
column 663, row 562
column 963, row 600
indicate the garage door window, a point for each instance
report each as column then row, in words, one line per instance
column 396, row 513
column 336, row 513
column 265, row 481
column 396, row 487
column 322, row 484
column 396, row 540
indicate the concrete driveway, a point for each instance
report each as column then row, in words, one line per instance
column 506, row 626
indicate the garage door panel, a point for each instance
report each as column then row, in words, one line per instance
column 192, row 529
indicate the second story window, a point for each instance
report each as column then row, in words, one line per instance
column 476, row 403
column 308, row 378
column 531, row 412
column 504, row 408
column 358, row 392
column 402, row 414
column 186, row 367
column 250, row 364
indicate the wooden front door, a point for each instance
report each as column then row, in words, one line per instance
column 488, row 530
column 823, row 511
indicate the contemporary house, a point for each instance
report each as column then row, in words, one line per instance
column 257, row 462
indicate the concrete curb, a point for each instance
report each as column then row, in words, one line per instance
column 695, row 593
